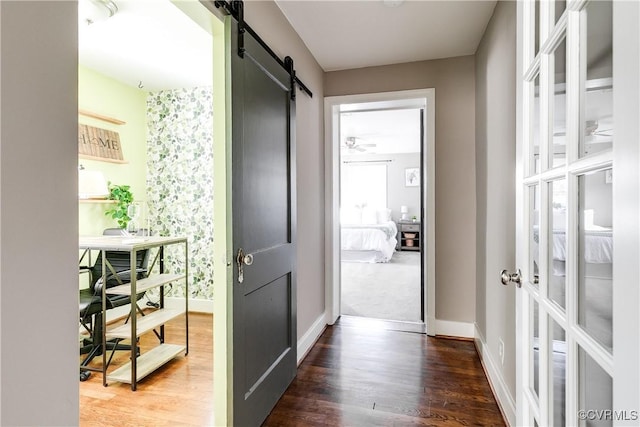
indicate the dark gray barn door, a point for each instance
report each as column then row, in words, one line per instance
column 263, row 204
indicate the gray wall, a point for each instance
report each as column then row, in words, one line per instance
column 397, row 193
column 38, row 213
column 495, row 184
column 454, row 83
column 267, row 19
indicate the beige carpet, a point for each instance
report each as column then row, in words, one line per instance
column 388, row 291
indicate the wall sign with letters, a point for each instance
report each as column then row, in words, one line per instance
column 100, row 143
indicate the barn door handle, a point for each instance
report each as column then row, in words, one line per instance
column 506, row 278
column 243, row 259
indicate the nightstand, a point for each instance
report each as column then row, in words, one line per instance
column 408, row 236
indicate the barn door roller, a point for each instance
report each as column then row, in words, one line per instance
column 235, row 8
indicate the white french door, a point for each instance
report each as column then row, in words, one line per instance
column 578, row 214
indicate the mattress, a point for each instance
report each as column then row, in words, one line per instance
column 358, row 239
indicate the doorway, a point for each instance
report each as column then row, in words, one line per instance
column 381, row 212
column 157, row 96
column 348, row 164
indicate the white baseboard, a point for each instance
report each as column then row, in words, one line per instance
column 431, row 325
column 454, row 329
column 506, row 402
column 306, row 342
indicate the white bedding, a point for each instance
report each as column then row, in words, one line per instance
column 368, row 242
column 598, row 246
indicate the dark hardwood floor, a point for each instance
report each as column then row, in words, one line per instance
column 361, row 376
column 355, row 376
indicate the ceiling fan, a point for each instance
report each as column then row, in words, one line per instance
column 351, row 143
column 591, row 130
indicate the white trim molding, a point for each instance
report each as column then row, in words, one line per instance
column 454, row 329
column 419, row 98
column 308, row 340
column 505, row 400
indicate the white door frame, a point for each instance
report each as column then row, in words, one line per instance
column 332, row 196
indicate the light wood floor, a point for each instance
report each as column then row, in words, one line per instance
column 178, row 394
column 354, row 376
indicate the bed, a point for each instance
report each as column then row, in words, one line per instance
column 597, row 249
column 598, row 246
column 372, row 239
column 594, row 282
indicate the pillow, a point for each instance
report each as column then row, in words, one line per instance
column 384, row 215
column 560, row 219
column 350, row 215
column 369, row 216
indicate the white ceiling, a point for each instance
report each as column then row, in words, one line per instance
column 153, row 42
column 153, row 45
column 381, row 132
column 380, row 129
column 149, row 43
column 355, row 34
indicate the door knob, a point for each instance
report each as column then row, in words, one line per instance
column 248, row 259
column 242, row 259
column 506, row 278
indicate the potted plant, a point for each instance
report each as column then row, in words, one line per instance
column 123, row 198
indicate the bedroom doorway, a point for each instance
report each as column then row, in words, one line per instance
column 380, row 213
column 381, row 222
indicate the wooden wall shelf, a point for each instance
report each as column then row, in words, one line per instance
column 108, row 201
column 101, row 117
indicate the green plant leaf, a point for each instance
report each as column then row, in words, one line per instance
column 123, row 197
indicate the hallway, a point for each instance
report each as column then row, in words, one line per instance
column 357, row 375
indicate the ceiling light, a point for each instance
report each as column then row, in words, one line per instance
column 92, row 11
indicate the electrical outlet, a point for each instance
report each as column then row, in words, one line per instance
column 501, row 350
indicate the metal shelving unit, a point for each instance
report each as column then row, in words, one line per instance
column 141, row 365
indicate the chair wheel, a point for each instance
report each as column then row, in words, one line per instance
column 84, row 375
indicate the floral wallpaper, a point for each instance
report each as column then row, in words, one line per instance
column 180, row 181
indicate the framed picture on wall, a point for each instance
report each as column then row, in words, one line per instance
column 412, row 177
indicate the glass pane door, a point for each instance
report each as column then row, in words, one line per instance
column 566, row 187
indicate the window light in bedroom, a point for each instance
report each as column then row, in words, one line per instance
column 364, row 185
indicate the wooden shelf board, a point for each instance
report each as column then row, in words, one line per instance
column 147, row 363
column 146, row 284
column 100, row 117
column 96, row 201
column 102, row 159
column 144, row 324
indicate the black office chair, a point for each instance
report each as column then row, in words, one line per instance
column 91, row 300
